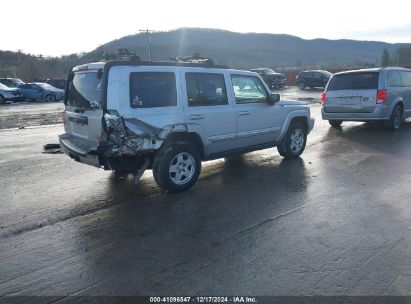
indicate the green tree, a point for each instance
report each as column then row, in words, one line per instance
column 385, row 58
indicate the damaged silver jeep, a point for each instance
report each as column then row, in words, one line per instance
column 169, row 116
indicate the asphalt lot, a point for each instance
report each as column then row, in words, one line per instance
column 337, row 221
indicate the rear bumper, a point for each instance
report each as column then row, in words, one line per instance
column 15, row 98
column 89, row 153
column 81, row 150
column 380, row 113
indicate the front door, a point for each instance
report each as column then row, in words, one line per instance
column 258, row 122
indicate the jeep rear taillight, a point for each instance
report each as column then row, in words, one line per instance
column 382, row 96
column 323, row 95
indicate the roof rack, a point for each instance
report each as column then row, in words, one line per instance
column 195, row 58
column 125, row 57
column 122, row 54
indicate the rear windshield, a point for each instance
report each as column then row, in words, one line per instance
column 354, row 81
column 85, row 90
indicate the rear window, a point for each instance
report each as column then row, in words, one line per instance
column 354, row 81
column 152, row 89
column 85, row 90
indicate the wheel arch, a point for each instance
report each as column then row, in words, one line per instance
column 294, row 116
column 191, row 137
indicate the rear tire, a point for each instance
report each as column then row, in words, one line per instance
column 394, row 123
column 294, row 141
column 335, row 123
column 177, row 166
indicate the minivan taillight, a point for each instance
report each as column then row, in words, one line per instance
column 323, row 97
column 382, row 96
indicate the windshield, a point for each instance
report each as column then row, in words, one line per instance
column 84, row 90
column 263, row 71
column 354, row 81
column 269, row 71
column 327, row 74
column 45, row 86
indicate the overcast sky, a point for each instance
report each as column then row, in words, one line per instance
column 57, row 27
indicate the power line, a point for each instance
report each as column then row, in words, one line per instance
column 148, row 32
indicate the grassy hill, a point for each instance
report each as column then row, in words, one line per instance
column 251, row 49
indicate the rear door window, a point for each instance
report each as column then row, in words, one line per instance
column 152, row 89
column 206, row 89
column 394, row 79
column 354, row 81
column 406, row 78
column 308, row 75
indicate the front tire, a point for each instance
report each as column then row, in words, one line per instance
column 50, row 98
column 294, row 141
column 177, row 166
column 2, row 99
column 394, row 123
column 335, row 123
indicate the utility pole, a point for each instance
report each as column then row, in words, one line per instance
column 148, row 32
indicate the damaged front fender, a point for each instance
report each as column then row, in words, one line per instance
column 131, row 136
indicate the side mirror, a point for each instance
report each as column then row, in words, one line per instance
column 274, row 98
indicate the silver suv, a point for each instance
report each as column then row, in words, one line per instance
column 382, row 94
column 131, row 116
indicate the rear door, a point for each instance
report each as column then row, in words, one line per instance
column 208, row 110
column 317, row 80
column 352, row 93
column 83, row 114
column 308, row 79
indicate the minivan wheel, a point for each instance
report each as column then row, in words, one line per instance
column 293, row 143
column 301, row 85
column 335, row 123
column 177, row 166
column 2, row 99
column 394, row 123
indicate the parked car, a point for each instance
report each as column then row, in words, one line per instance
column 39, row 91
column 272, row 79
column 313, row 79
column 7, row 93
column 11, row 82
column 382, row 94
column 168, row 117
column 57, row 83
